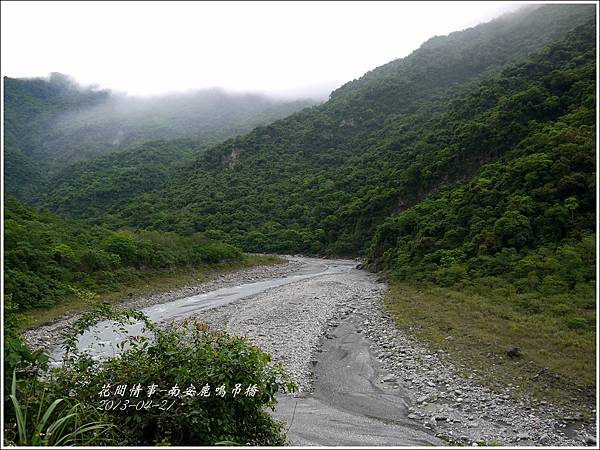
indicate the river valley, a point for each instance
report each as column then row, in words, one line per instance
column 362, row 382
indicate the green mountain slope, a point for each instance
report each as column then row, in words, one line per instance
column 322, row 180
column 30, row 106
column 53, row 123
column 527, row 223
column 90, row 188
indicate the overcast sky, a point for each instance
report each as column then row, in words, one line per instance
column 299, row 48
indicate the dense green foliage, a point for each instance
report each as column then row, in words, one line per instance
column 17, row 355
column 41, row 423
column 53, row 123
column 322, row 180
column 524, row 230
column 524, row 227
column 47, row 258
column 30, row 107
column 92, row 187
column 187, row 355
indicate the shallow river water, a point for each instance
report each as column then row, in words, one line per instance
column 103, row 338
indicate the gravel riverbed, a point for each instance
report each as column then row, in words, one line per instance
column 291, row 322
column 294, row 320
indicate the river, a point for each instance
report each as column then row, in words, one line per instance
column 362, row 381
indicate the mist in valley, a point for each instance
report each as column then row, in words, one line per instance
column 102, row 121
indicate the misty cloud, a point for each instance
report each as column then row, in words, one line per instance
column 287, row 49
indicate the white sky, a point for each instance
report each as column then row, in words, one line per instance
column 279, row 47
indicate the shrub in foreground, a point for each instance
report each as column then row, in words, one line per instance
column 180, row 384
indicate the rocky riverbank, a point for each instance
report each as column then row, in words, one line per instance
column 292, row 322
column 453, row 404
column 289, row 322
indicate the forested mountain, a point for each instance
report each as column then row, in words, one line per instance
column 322, row 180
column 89, row 188
column 52, row 123
column 30, row 107
column 471, row 158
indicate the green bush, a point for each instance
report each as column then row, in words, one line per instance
column 185, row 355
column 553, row 284
column 95, row 260
column 17, row 355
column 122, row 244
column 577, row 323
column 214, row 252
column 448, row 276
